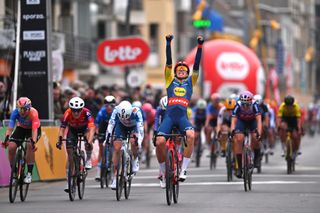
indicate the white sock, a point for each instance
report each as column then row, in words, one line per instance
column 162, row 168
column 185, row 163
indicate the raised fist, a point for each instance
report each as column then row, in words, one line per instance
column 169, row 37
column 200, row 40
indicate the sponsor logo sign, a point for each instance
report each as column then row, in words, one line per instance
column 179, row 91
column 120, row 52
column 180, row 101
column 31, row 17
column 33, row 2
column 33, row 35
column 232, row 66
column 34, row 55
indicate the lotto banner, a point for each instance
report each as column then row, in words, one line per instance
column 51, row 162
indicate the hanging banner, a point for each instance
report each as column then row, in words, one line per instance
column 33, row 72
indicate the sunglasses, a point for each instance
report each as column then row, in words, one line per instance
column 182, row 68
column 246, row 104
column 22, row 109
column 76, row 110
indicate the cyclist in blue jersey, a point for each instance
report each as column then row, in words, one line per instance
column 124, row 119
column 246, row 115
column 179, row 86
column 101, row 123
column 160, row 112
column 199, row 118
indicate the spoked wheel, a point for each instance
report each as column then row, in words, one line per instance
column 81, row 177
column 245, row 171
column 213, row 160
column 127, row 186
column 72, row 180
column 169, row 177
column 175, row 188
column 198, row 153
column 229, row 165
column 249, row 169
column 120, row 176
column 103, row 175
column 289, row 157
column 148, row 157
column 24, row 187
column 16, row 172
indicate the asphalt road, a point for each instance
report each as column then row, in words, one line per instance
column 204, row 190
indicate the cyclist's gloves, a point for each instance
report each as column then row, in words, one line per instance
column 200, row 40
column 233, row 132
column 59, row 143
column 169, row 38
column 33, row 145
column 5, row 142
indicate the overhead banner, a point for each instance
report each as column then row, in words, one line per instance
column 33, row 72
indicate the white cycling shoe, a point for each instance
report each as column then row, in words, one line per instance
column 28, row 178
column 113, row 185
column 135, row 166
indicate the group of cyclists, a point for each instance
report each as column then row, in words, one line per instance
column 222, row 119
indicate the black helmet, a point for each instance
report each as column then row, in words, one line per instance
column 289, row 100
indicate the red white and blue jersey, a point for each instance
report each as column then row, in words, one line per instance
column 31, row 121
column 246, row 114
column 84, row 120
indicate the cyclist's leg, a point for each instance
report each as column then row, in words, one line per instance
column 18, row 133
column 255, row 144
column 70, row 143
column 30, row 156
column 223, row 139
column 208, row 132
column 101, row 137
column 283, row 135
column 238, row 143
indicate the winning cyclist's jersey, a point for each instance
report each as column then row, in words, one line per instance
column 158, row 118
column 292, row 111
column 213, row 111
column 103, row 115
column 179, row 93
column 31, row 121
column 224, row 116
column 248, row 114
column 85, row 119
column 135, row 121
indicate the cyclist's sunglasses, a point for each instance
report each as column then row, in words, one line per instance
column 246, row 104
column 23, row 109
column 180, row 68
column 76, row 110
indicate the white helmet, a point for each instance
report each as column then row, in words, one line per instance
column 76, row 103
column 124, row 110
column 164, row 102
column 201, row 103
column 137, row 104
column 110, row 99
column 258, row 99
column 234, row 96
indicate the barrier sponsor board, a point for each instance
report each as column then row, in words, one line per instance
column 5, row 165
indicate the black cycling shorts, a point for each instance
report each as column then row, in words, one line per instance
column 21, row 133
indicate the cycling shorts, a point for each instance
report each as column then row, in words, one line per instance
column 199, row 124
column 241, row 126
column 292, row 122
column 121, row 131
column 182, row 123
column 21, row 133
column 72, row 136
column 213, row 122
column 102, row 131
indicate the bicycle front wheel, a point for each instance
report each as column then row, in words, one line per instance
column 120, row 176
column 16, row 171
column 127, row 186
column 72, row 180
column 24, row 187
column 82, row 174
column 289, row 157
column 175, row 187
column 229, row 163
column 169, row 176
column 245, row 171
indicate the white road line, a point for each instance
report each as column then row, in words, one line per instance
column 217, row 183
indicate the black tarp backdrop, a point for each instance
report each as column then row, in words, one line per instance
column 33, row 72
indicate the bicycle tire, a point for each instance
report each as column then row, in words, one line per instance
column 198, row 153
column 82, row 174
column 249, row 168
column 148, row 157
column 169, row 177
column 109, row 166
column 289, row 157
column 120, row 176
column 103, row 169
column 24, row 187
column 229, row 163
column 127, row 186
column 14, row 179
column 175, row 188
column 72, row 180
column 245, row 171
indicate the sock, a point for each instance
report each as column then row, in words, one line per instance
column 30, row 168
column 185, row 163
column 163, row 168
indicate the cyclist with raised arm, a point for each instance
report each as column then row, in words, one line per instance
column 179, row 86
column 224, row 123
column 77, row 119
column 26, row 120
column 125, row 119
column 289, row 115
column 101, row 123
column 246, row 115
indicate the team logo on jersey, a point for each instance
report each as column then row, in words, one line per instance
column 179, row 91
column 178, row 101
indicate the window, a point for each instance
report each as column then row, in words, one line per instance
column 153, row 34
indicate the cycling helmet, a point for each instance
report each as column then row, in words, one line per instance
column 215, row 97
column 234, row 96
column 147, row 107
column 258, row 99
column 137, row 104
column 76, row 103
column 183, row 65
column 24, row 103
column 110, row 99
column 246, row 97
column 230, row 103
column 201, row 104
column 124, row 110
column 164, row 102
column 289, row 100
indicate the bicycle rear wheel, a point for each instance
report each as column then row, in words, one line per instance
column 14, row 178
column 120, row 175
column 175, row 187
column 24, row 187
column 81, row 177
column 72, row 180
column 169, row 176
column 127, row 186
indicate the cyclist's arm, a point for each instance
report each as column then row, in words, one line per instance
column 112, row 122
column 91, row 126
column 220, row 119
column 35, row 123
column 168, row 68
column 209, row 116
column 140, row 127
column 156, row 120
column 14, row 115
column 195, row 72
column 234, row 120
column 259, row 123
